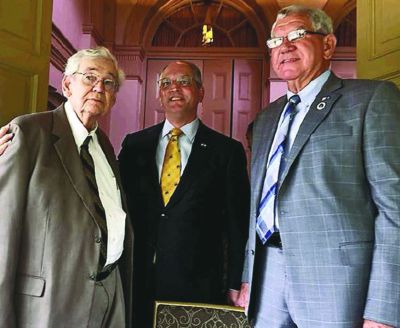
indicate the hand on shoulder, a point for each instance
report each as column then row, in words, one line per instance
column 5, row 138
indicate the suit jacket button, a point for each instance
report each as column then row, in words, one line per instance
column 97, row 239
column 92, row 276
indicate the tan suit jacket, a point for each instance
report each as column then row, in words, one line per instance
column 48, row 233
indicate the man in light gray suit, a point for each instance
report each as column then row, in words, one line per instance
column 324, row 244
column 65, row 240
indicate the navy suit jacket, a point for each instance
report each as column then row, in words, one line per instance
column 181, row 252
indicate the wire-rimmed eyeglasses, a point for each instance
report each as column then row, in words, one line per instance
column 183, row 81
column 292, row 36
column 92, row 79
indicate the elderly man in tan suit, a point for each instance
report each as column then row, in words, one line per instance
column 66, row 242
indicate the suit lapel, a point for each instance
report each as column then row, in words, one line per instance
column 320, row 108
column 65, row 147
column 148, row 159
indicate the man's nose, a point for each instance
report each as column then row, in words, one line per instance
column 174, row 85
column 286, row 45
column 99, row 86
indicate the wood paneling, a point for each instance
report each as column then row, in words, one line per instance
column 217, row 80
column 246, row 97
column 378, row 39
column 24, row 58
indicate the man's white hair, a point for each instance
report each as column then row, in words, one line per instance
column 98, row 52
column 320, row 21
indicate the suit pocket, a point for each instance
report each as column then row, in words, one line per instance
column 332, row 131
column 356, row 253
column 30, row 285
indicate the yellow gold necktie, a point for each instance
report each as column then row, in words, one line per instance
column 171, row 170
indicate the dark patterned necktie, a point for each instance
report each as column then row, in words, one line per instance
column 100, row 214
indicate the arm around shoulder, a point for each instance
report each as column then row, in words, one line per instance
column 14, row 178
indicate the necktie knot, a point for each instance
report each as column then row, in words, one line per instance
column 175, row 133
column 85, row 143
column 294, row 100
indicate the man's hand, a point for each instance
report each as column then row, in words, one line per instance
column 373, row 324
column 239, row 297
column 5, row 137
column 243, row 299
column 232, row 296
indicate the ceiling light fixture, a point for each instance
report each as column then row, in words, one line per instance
column 207, row 31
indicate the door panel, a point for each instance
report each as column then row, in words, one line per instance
column 246, row 96
column 25, row 28
column 378, row 40
column 216, row 109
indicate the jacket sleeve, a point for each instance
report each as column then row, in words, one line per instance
column 14, row 179
column 382, row 167
column 237, row 205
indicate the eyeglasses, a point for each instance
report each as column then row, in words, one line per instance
column 291, row 37
column 92, row 79
column 184, row 81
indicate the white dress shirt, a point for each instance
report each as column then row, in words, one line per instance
column 185, row 140
column 109, row 192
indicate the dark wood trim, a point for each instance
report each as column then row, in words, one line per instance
column 92, row 30
column 208, row 52
column 345, row 54
column 55, row 99
column 61, row 49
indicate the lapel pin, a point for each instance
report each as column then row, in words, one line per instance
column 321, row 105
column 203, row 145
column 326, row 98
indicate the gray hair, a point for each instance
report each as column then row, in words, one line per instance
column 98, row 52
column 320, row 21
column 195, row 71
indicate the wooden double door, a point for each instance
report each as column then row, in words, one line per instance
column 233, row 90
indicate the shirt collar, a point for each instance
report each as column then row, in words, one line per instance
column 189, row 130
column 78, row 129
column 310, row 92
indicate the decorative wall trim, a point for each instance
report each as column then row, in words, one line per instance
column 61, row 49
column 131, row 59
column 92, row 30
column 205, row 52
column 345, row 54
column 55, row 99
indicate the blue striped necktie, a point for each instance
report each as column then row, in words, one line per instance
column 266, row 209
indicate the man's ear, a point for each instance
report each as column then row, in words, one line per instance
column 66, row 86
column 329, row 46
column 201, row 94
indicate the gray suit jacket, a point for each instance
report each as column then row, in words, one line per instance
column 338, row 201
column 47, row 235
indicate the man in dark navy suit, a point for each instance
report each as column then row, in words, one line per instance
column 189, row 247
